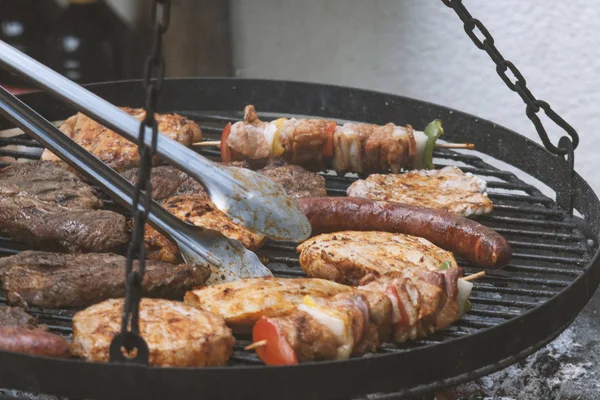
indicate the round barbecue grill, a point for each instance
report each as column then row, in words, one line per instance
column 515, row 311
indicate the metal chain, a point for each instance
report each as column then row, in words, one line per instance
column 520, row 85
column 154, row 72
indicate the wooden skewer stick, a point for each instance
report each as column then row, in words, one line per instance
column 468, row 146
column 473, row 277
column 209, row 143
column 256, row 345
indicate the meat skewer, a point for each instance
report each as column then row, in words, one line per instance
column 313, row 143
column 279, row 347
column 311, row 319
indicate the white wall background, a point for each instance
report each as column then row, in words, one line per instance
column 418, row 48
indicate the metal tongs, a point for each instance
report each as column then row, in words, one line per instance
column 247, row 197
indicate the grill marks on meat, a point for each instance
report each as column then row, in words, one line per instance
column 47, row 183
column 20, row 334
column 177, row 335
column 296, row 181
column 447, row 189
column 48, row 207
column 352, row 257
column 53, row 280
column 116, row 151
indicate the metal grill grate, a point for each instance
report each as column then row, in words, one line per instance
column 549, row 250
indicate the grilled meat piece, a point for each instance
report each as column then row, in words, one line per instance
column 45, row 182
column 16, row 317
column 35, row 342
column 48, row 207
column 200, row 211
column 177, row 335
column 296, row 181
column 423, row 301
column 472, row 241
column 20, row 334
column 243, row 302
column 352, row 256
column 54, row 280
column 116, row 151
column 447, row 189
column 168, row 181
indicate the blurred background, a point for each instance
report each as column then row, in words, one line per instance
column 413, row 48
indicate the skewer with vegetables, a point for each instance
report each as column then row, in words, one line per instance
column 317, row 143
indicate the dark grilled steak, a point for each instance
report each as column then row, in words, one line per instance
column 55, row 280
column 296, row 181
column 49, row 207
column 46, row 182
column 168, row 181
column 15, row 317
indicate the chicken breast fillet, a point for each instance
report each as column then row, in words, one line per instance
column 116, row 151
column 177, row 335
column 447, row 189
column 243, row 302
column 352, row 257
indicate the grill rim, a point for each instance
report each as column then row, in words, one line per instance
column 331, row 378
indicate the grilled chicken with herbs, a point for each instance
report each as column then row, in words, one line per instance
column 352, row 257
column 177, row 335
column 447, row 189
column 116, row 151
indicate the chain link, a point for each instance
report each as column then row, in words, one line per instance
column 154, row 72
column 533, row 105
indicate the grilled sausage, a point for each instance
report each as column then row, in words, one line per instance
column 472, row 241
column 33, row 341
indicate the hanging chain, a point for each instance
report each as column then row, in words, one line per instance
column 520, row 85
column 154, row 72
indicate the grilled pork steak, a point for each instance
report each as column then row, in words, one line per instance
column 54, row 280
column 49, row 207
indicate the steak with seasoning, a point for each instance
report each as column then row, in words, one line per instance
column 48, row 207
column 54, row 280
